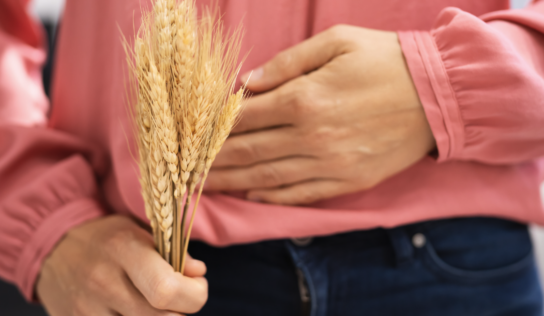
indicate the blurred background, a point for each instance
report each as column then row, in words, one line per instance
column 49, row 12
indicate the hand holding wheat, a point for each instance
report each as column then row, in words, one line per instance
column 109, row 266
column 185, row 70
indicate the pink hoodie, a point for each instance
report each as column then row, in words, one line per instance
column 481, row 81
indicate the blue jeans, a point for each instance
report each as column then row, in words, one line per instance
column 458, row 267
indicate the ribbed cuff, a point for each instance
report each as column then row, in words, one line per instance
column 46, row 237
column 435, row 92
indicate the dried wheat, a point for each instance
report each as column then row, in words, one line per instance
column 185, row 109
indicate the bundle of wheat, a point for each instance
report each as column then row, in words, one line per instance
column 184, row 109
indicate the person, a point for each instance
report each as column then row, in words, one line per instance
column 386, row 164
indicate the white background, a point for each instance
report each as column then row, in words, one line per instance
column 51, row 10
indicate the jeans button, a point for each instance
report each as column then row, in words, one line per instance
column 419, row 240
column 302, row 242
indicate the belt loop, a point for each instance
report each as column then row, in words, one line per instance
column 401, row 245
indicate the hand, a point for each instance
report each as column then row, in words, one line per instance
column 339, row 114
column 109, row 267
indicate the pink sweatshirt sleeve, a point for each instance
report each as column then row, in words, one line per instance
column 47, row 178
column 481, row 82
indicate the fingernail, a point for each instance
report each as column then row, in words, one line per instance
column 252, row 76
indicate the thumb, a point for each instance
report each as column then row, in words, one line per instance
column 295, row 61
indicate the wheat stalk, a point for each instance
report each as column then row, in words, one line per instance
column 226, row 121
column 185, row 109
column 183, row 64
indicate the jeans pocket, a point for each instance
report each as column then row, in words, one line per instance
column 483, row 253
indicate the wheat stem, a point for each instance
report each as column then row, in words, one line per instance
column 190, row 228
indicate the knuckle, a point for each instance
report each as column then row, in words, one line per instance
column 323, row 136
column 283, row 62
column 162, row 294
column 201, row 302
column 99, row 278
column 309, row 196
column 242, row 152
column 242, row 125
column 118, row 240
column 324, row 140
column 366, row 179
column 269, row 176
column 338, row 33
column 302, row 100
column 200, row 299
column 369, row 182
column 344, row 159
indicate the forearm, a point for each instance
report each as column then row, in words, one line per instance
column 48, row 186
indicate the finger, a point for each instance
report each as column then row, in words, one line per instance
column 266, row 175
column 298, row 194
column 295, row 61
column 194, row 268
column 163, row 288
column 258, row 146
column 263, row 111
column 113, row 289
column 131, row 302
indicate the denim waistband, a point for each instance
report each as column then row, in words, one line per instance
column 416, row 269
column 407, row 247
column 402, row 239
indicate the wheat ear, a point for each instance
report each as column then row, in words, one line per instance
column 182, row 69
column 226, row 121
column 164, row 28
column 195, row 124
column 216, row 71
column 138, row 62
